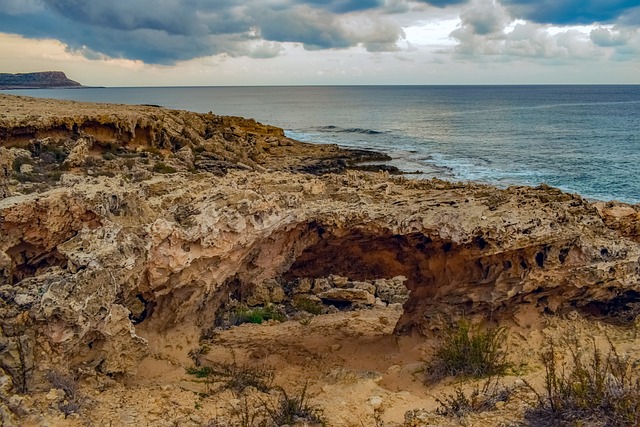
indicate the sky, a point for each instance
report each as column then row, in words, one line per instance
column 330, row 42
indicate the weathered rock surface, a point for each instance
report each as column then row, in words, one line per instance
column 88, row 257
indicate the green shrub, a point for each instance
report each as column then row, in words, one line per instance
column 200, row 371
column 161, row 167
column 309, row 305
column 468, row 350
column 257, row 315
column 21, row 160
column 233, row 376
column 589, row 388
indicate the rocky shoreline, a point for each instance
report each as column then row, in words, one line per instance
column 129, row 230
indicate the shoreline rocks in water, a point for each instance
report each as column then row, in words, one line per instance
column 123, row 225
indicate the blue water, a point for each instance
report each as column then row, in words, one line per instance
column 583, row 139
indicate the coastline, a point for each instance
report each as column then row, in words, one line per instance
column 507, row 143
column 130, row 234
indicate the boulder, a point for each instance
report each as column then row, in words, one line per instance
column 392, row 290
column 349, row 295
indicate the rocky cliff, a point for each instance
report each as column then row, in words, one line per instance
column 119, row 224
column 40, row 80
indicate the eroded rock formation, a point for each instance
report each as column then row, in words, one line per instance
column 141, row 217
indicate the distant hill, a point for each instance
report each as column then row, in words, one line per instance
column 44, row 79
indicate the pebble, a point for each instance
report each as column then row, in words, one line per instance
column 375, row 402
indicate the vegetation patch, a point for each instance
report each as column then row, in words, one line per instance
column 243, row 314
column 309, row 305
column 295, row 409
column 21, row 160
column 220, row 376
column 480, row 399
column 73, row 400
column 470, row 351
column 161, row 167
column 587, row 388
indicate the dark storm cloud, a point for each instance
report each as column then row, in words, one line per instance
column 313, row 28
column 344, row 6
column 570, row 12
column 166, row 31
column 444, row 3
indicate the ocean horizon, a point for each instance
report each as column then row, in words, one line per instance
column 581, row 138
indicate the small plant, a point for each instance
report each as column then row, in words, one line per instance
column 53, row 154
column 196, row 353
column 161, row 167
column 482, row 399
column 467, row 350
column 292, row 409
column 73, row 401
column 306, row 321
column 588, row 389
column 200, row 372
column 19, row 161
column 248, row 413
column 256, row 315
column 233, row 376
column 309, row 305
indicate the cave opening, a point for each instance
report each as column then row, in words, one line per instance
column 465, row 278
column 433, row 267
column 27, row 259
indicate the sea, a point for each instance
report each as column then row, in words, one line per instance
column 583, row 139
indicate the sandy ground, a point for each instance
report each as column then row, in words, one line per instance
column 358, row 373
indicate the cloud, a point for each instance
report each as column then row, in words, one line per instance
column 444, row 3
column 167, row 31
column 570, row 12
column 486, row 33
column 624, row 42
column 345, row 6
column 15, row 7
column 484, row 17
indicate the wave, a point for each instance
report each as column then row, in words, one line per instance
column 338, row 129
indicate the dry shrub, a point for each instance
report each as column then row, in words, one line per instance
column 480, row 399
column 588, row 388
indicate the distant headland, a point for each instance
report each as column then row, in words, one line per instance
column 39, row 80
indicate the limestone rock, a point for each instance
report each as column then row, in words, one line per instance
column 366, row 286
column 392, row 290
column 321, row 285
column 78, row 154
column 338, row 281
column 303, row 286
column 348, row 295
column 269, row 291
column 26, row 168
column 90, row 263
